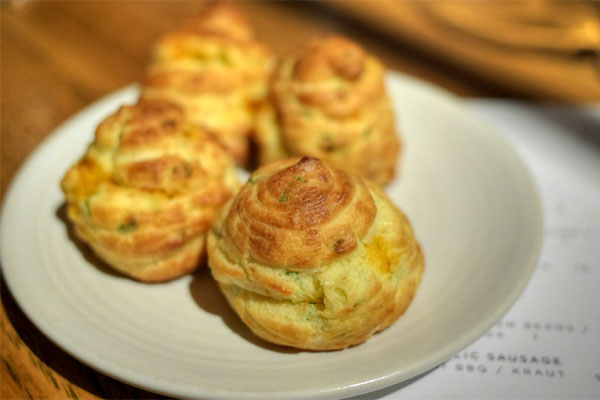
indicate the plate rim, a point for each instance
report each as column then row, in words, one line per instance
column 396, row 377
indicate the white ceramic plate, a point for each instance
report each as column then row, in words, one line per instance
column 467, row 193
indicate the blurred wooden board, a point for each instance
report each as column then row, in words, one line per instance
column 540, row 49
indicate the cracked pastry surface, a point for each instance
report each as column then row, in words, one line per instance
column 146, row 191
column 313, row 257
column 330, row 102
column 216, row 70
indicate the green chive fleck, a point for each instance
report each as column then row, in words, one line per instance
column 328, row 144
column 188, row 170
column 128, row 227
column 87, row 211
column 301, row 179
column 283, row 197
column 341, row 294
column 224, row 57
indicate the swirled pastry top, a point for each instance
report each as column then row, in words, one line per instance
column 300, row 216
column 150, row 146
column 334, row 74
column 146, row 190
column 215, row 52
column 220, row 19
column 330, row 102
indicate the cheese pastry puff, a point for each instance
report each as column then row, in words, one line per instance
column 146, row 191
column 313, row 257
column 330, row 102
column 217, row 71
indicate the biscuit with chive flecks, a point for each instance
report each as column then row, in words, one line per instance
column 145, row 193
column 330, row 102
column 313, row 257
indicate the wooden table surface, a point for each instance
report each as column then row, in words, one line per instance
column 58, row 57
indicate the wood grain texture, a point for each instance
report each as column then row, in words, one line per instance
column 59, row 56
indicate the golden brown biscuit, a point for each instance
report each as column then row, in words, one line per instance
column 312, row 257
column 145, row 193
column 330, row 102
column 214, row 68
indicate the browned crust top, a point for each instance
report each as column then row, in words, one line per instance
column 300, row 214
column 219, row 19
column 148, row 168
column 332, row 73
